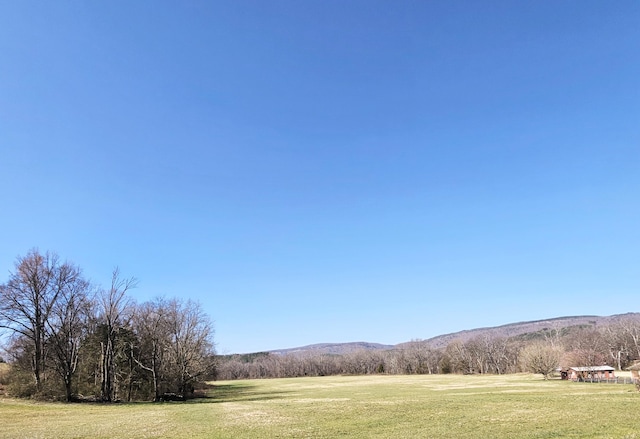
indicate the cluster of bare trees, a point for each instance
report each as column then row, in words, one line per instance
column 69, row 338
column 616, row 344
column 415, row 357
column 484, row 354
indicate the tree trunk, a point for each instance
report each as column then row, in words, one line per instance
column 67, row 388
column 37, row 359
column 154, row 374
column 106, row 386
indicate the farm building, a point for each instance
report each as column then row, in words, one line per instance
column 588, row 373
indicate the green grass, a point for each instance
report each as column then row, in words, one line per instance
column 445, row 406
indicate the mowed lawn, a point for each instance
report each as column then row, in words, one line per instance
column 441, row 406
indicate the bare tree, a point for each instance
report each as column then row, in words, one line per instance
column 418, row 354
column 27, row 300
column 151, row 325
column 191, row 344
column 623, row 340
column 554, row 334
column 617, row 343
column 497, row 353
column 398, row 362
column 460, row 357
column 364, row 362
column 478, row 354
column 114, row 314
column 631, row 327
column 67, row 324
column 541, row 357
column 586, row 348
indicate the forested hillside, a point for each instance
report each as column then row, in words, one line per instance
column 537, row 346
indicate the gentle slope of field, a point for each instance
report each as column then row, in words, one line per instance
column 444, row 406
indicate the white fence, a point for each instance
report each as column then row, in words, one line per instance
column 618, row 380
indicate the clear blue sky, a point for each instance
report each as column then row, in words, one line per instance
column 330, row 171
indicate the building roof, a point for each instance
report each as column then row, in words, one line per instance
column 592, row 368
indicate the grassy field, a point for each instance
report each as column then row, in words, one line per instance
column 446, row 406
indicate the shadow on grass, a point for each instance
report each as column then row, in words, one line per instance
column 210, row 393
column 235, row 392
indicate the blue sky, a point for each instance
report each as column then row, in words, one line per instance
column 330, row 171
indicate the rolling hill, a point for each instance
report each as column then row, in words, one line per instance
column 508, row 330
column 334, row 348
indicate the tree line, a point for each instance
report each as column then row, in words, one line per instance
column 616, row 344
column 69, row 339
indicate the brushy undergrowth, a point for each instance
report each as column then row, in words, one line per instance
column 435, row 406
column 4, row 377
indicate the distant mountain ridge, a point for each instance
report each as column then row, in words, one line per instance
column 520, row 328
column 508, row 330
column 334, row 348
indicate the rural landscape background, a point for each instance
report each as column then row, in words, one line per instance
column 70, row 340
column 150, row 370
column 365, row 401
column 319, row 218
